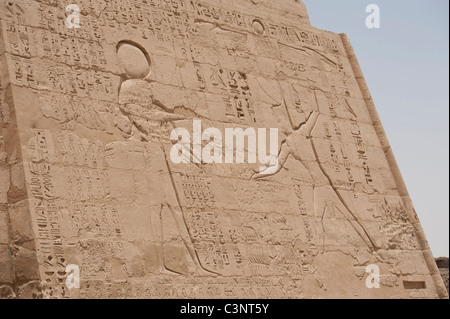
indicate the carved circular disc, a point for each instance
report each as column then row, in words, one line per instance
column 133, row 60
column 258, row 27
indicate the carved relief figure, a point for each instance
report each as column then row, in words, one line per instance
column 142, row 119
column 299, row 144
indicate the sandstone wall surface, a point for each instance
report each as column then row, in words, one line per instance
column 87, row 178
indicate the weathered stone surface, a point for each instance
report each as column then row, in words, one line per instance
column 6, row 271
column 87, row 176
column 25, row 266
column 6, row 292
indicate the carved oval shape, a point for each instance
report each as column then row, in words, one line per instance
column 134, row 60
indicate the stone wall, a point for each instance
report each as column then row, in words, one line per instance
column 88, row 178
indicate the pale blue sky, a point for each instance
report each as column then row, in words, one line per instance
column 406, row 65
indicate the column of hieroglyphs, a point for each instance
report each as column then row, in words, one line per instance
column 86, row 117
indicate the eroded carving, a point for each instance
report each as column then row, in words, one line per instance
column 102, row 192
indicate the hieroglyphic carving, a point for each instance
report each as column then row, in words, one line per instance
column 91, row 83
column 308, row 226
column 338, row 151
column 57, row 220
column 50, row 249
column 23, row 72
column 72, row 150
column 90, row 220
column 197, row 191
column 238, row 100
column 18, row 37
column 362, row 152
column 240, row 20
column 105, row 195
column 159, row 20
column 47, row 212
column 212, row 243
column 71, row 51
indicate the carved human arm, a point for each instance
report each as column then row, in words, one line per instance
column 150, row 114
column 283, row 156
column 307, row 128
